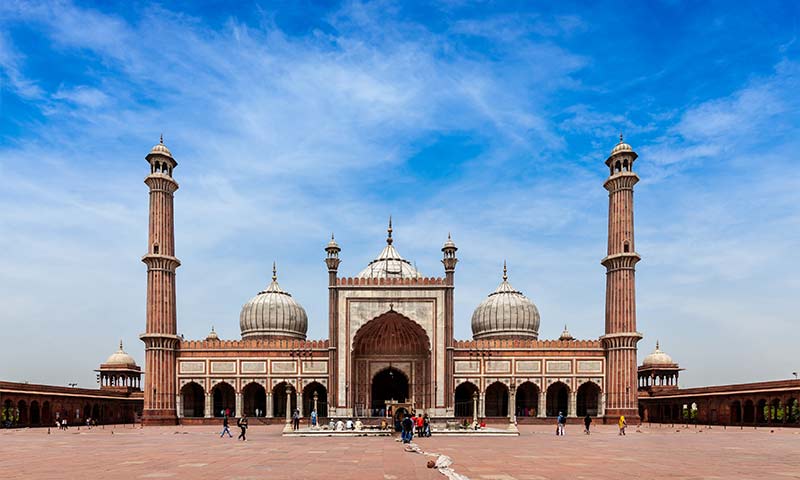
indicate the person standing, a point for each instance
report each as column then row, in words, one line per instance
column 587, row 422
column 622, row 425
column 296, row 420
column 426, row 425
column 562, row 421
column 225, row 427
column 408, row 429
column 243, row 427
column 313, row 419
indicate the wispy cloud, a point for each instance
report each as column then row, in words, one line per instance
column 282, row 136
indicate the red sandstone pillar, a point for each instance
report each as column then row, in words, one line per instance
column 621, row 337
column 160, row 337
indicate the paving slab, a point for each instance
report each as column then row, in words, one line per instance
column 197, row 452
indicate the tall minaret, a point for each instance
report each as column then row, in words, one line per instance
column 160, row 337
column 449, row 260
column 621, row 336
column 332, row 261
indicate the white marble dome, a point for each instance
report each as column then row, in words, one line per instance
column 657, row 358
column 120, row 358
column 505, row 313
column 621, row 147
column 273, row 313
column 160, row 149
column 389, row 263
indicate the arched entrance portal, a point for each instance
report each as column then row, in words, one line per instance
column 193, row 400
column 391, row 361
column 388, row 385
column 465, row 399
column 588, row 399
column 223, row 400
column 254, row 400
column 557, row 398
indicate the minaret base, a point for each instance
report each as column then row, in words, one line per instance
column 159, row 417
column 631, row 416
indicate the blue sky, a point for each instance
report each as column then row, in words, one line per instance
column 490, row 120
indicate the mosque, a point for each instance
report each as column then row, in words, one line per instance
column 390, row 347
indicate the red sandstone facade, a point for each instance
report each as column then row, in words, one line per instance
column 390, row 339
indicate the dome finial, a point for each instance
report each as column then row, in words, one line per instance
column 505, row 271
column 332, row 236
column 274, row 272
column 120, row 344
column 657, row 347
column 161, row 139
column 389, row 231
column 620, row 137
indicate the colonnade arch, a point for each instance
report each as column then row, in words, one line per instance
column 254, row 400
column 322, row 399
column 557, row 399
column 193, row 400
column 527, row 399
column 279, row 399
column 588, row 399
column 223, row 400
column 496, row 399
column 464, row 403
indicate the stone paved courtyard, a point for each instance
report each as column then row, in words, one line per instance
column 198, row 452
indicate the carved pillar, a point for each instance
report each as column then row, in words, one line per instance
column 269, row 413
column 475, row 407
column 179, row 405
column 482, row 405
column 238, row 404
column 541, row 409
column 316, row 399
column 208, row 406
column 288, row 404
column 572, row 410
column 512, row 402
column 299, row 400
column 601, row 409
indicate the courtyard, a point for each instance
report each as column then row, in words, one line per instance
column 198, row 452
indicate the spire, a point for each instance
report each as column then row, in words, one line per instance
column 161, row 139
column 657, row 347
column 505, row 271
column 389, row 238
column 120, row 344
column 620, row 137
column 274, row 272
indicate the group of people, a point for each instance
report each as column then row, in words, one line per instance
column 241, row 423
column 587, row 423
column 419, row 425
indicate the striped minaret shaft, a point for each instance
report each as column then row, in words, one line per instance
column 621, row 337
column 161, row 336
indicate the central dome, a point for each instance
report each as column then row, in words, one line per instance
column 273, row 313
column 506, row 313
column 389, row 263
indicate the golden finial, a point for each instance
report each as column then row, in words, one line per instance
column 505, row 271
column 274, row 272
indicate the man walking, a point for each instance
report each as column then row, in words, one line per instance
column 225, row 428
column 587, row 422
column 243, row 427
column 562, row 421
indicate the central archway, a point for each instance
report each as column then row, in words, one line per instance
column 391, row 361
column 389, row 384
